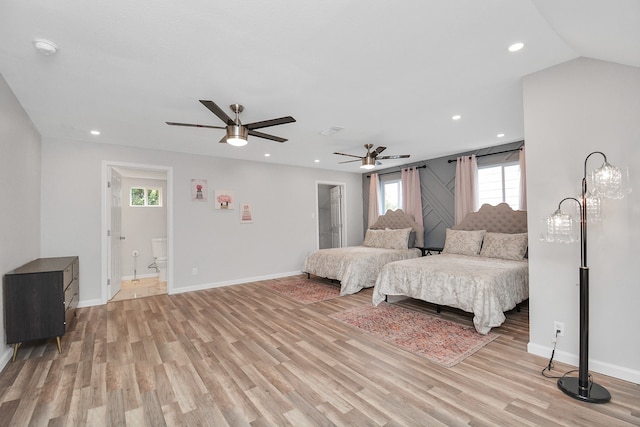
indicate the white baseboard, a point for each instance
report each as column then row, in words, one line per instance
column 604, row 368
column 140, row 276
column 204, row 286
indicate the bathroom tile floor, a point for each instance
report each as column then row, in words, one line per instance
column 140, row 288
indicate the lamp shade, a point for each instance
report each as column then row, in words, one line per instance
column 560, row 228
column 607, row 180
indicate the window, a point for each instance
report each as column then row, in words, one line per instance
column 391, row 195
column 499, row 183
column 145, row 196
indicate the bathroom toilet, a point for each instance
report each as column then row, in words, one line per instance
column 159, row 251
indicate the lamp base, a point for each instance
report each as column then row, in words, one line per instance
column 594, row 394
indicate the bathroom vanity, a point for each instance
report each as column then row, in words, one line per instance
column 40, row 300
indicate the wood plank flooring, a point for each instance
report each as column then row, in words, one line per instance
column 245, row 356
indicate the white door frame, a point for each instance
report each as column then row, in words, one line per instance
column 344, row 211
column 106, row 204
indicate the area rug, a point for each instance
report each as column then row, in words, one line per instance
column 438, row 340
column 305, row 291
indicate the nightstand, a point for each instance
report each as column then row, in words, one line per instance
column 430, row 250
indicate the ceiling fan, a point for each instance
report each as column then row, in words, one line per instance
column 371, row 159
column 237, row 133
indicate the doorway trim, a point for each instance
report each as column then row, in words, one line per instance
column 106, row 205
column 343, row 208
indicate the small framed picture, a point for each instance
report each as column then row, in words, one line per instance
column 246, row 215
column 199, row 190
column 224, row 199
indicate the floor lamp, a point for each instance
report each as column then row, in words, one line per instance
column 607, row 182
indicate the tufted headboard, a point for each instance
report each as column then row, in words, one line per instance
column 495, row 219
column 399, row 219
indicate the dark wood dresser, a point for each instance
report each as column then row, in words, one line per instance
column 40, row 300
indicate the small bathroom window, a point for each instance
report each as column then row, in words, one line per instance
column 145, row 196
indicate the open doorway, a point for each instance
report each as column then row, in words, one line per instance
column 138, row 215
column 330, row 215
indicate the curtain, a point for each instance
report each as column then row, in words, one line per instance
column 374, row 204
column 523, row 181
column 466, row 193
column 411, row 194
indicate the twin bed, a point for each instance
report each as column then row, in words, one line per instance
column 483, row 268
column 357, row 267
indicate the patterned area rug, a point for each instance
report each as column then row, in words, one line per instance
column 305, row 291
column 438, row 340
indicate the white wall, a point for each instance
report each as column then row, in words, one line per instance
column 570, row 111
column 213, row 241
column 19, row 190
column 140, row 225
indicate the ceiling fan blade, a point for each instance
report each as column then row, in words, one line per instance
column 272, row 122
column 378, row 150
column 194, row 125
column 223, row 140
column 349, row 161
column 266, row 136
column 398, row 156
column 217, row 111
column 350, row 155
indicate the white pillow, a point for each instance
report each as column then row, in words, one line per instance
column 505, row 246
column 463, row 242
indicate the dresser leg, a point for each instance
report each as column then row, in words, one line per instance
column 59, row 345
column 15, row 351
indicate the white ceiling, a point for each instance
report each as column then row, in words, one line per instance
column 390, row 73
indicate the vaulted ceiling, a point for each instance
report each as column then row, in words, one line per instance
column 389, row 73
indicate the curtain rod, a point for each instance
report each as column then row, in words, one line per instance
column 410, row 167
column 489, row 154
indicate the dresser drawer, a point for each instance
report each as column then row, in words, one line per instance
column 70, row 293
column 67, row 275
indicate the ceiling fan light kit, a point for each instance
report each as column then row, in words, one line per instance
column 237, row 135
column 368, row 162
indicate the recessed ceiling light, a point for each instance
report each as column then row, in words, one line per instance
column 267, row 155
column 95, row 132
column 456, row 117
column 45, row 47
column 516, row 47
column 317, row 161
column 500, row 135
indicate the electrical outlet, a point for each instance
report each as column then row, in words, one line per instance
column 558, row 326
column 194, row 271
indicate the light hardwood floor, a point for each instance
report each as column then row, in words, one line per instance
column 243, row 355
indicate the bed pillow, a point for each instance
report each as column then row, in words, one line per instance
column 463, row 242
column 387, row 239
column 504, row 246
column 373, row 238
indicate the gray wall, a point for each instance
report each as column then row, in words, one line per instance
column 283, row 199
column 437, row 181
column 19, row 191
column 572, row 110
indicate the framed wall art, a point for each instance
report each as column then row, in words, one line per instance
column 224, row 199
column 199, row 190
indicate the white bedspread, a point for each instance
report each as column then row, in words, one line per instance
column 486, row 287
column 356, row 267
